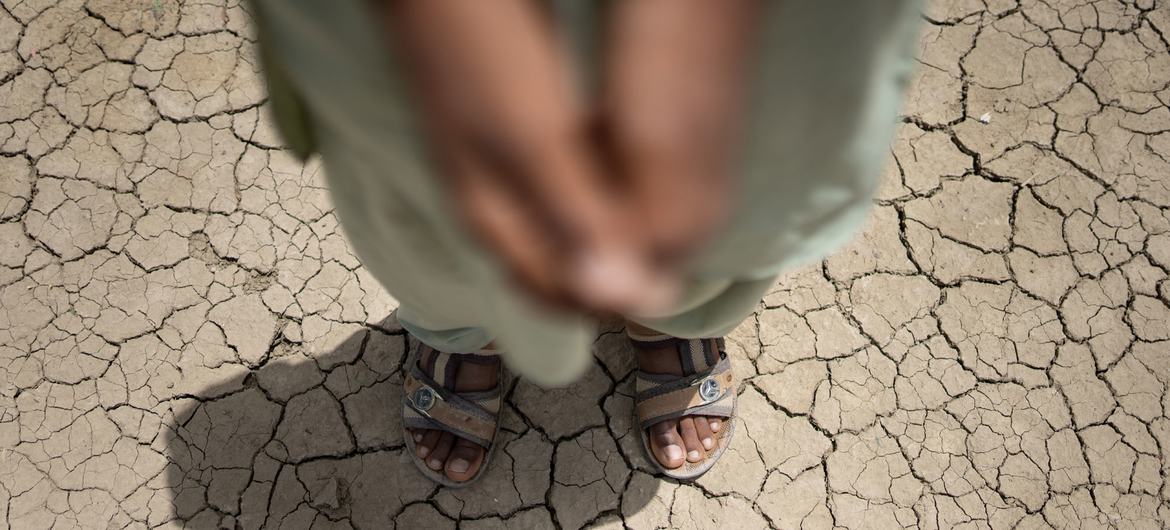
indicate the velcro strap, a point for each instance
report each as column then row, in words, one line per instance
column 450, row 412
column 688, row 400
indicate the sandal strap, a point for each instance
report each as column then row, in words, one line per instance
column 694, row 355
column 431, row 402
column 664, row 396
column 443, row 367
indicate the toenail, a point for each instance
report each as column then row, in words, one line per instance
column 417, row 437
column 458, row 465
column 435, row 464
column 715, row 426
column 673, row 452
column 693, row 455
column 708, row 443
column 423, row 450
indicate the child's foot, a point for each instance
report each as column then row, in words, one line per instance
column 676, row 441
column 457, row 458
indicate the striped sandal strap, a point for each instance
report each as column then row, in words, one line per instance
column 443, row 367
column 695, row 355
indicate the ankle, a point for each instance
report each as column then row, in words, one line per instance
column 637, row 331
column 473, row 377
column 658, row 359
column 470, row 376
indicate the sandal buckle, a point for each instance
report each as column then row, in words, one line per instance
column 423, row 399
column 709, row 389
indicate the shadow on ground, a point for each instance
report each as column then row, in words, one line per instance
column 315, row 441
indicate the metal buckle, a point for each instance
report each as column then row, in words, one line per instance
column 424, row 398
column 709, row 389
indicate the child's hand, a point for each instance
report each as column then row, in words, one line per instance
column 510, row 136
column 512, row 139
column 675, row 83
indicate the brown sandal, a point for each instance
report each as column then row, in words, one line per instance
column 707, row 388
column 429, row 401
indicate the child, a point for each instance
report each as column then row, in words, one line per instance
column 508, row 168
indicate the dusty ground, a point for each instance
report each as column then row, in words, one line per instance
column 186, row 340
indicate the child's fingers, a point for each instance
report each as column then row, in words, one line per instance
column 556, row 250
column 510, row 231
column 555, row 178
column 494, row 86
column 675, row 79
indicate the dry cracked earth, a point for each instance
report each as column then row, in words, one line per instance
column 187, row 341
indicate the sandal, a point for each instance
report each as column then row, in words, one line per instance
column 429, row 401
column 706, row 389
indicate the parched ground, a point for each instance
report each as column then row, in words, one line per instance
column 186, row 339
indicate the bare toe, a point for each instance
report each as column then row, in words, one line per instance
column 464, row 461
column 438, row 457
column 429, row 440
column 703, row 429
column 690, row 437
column 666, row 444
